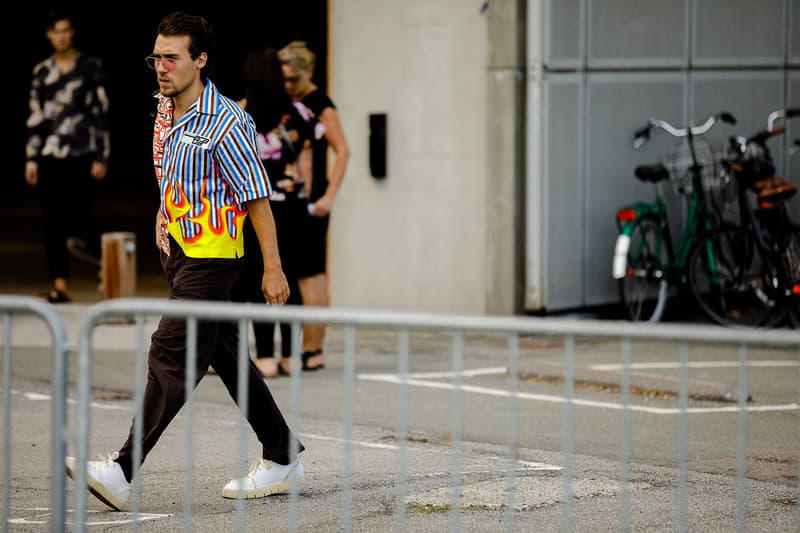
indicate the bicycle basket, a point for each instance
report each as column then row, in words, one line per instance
column 714, row 176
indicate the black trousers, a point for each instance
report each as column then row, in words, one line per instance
column 217, row 346
column 248, row 287
column 68, row 198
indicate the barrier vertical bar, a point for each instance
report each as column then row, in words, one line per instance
column 242, row 360
column 458, row 429
column 82, row 435
column 625, row 438
column 513, row 432
column 349, row 421
column 401, row 486
column 188, row 437
column 683, row 439
column 797, row 446
column 567, row 431
column 741, row 441
column 6, row 486
column 295, row 421
column 58, row 475
column 140, row 377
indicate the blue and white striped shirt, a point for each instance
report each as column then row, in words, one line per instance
column 207, row 166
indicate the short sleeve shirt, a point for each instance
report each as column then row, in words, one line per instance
column 207, row 166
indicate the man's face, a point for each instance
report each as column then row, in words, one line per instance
column 61, row 35
column 175, row 68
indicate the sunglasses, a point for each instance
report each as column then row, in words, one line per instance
column 168, row 61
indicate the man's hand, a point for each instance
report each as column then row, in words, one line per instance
column 99, row 170
column 32, row 174
column 273, row 282
column 275, row 287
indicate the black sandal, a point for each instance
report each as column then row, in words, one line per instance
column 55, row 296
column 305, row 356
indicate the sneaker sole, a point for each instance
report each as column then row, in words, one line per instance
column 98, row 491
column 278, row 488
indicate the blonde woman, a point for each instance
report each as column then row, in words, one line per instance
column 297, row 62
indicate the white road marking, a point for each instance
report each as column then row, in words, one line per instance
column 695, row 364
column 525, row 465
column 125, row 518
column 419, row 380
column 392, row 378
column 465, row 373
column 39, row 397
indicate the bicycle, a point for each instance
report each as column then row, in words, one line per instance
column 748, row 274
column 647, row 262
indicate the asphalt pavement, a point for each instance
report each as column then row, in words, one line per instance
column 607, row 461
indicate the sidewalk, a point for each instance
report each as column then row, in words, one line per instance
column 24, row 272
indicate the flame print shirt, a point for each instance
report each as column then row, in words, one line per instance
column 207, row 166
column 68, row 112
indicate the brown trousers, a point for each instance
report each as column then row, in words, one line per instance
column 217, row 346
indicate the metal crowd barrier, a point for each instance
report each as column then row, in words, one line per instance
column 404, row 323
column 14, row 308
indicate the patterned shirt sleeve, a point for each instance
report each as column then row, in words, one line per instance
column 240, row 165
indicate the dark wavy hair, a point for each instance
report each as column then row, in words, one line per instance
column 267, row 99
column 58, row 14
column 201, row 36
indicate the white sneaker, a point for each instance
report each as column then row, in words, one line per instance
column 105, row 480
column 266, row 478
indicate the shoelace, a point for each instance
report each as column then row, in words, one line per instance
column 254, row 467
column 108, row 457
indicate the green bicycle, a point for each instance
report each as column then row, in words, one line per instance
column 648, row 265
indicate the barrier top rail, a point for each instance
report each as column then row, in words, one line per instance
column 29, row 304
column 452, row 322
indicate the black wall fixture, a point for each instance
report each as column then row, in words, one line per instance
column 377, row 145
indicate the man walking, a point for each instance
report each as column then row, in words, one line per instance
column 210, row 177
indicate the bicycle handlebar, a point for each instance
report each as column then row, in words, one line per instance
column 779, row 114
column 643, row 135
column 771, row 129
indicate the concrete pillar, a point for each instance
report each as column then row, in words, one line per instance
column 506, row 162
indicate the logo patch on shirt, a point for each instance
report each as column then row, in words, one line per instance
column 197, row 140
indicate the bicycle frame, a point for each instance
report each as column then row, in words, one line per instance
column 698, row 219
column 754, row 279
column 657, row 259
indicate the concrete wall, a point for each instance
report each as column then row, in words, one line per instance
column 509, row 136
column 418, row 239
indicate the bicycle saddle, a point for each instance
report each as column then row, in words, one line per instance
column 774, row 189
column 652, row 173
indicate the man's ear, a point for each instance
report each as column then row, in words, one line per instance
column 202, row 59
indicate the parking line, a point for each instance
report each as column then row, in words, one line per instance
column 392, row 378
column 695, row 364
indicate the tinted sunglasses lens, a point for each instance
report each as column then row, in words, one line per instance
column 168, row 63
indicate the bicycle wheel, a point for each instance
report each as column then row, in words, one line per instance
column 790, row 255
column 643, row 289
column 730, row 280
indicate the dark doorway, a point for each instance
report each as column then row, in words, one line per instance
column 122, row 35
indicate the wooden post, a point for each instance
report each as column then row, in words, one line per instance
column 118, row 265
